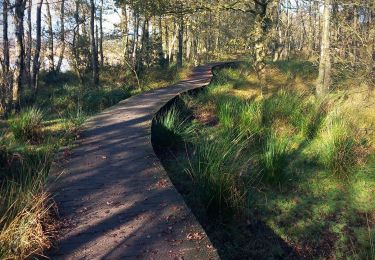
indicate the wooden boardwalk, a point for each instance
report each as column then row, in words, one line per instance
column 114, row 197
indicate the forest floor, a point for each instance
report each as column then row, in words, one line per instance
column 270, row 170
column 29, row 142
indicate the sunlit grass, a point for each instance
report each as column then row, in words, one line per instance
column 283, row 157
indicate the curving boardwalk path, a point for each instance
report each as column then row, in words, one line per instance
column 114, row 196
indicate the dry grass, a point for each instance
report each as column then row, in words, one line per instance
column 29, row 232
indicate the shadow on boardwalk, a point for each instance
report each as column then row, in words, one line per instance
column 115, row 199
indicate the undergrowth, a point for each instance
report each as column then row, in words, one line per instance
column 286, row 159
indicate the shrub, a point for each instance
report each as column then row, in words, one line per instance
column 99, row 99
column 27, row 125
column 77, row 117
column 274, row 158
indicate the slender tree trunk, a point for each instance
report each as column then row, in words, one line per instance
column 38, row 44
column 7, row 79
column 29, row 45
column 167, row 58
column 101, row 35
column 62, row 35
column 172, row 44
column 260, row 37
column 94, row 50
column 125, row 31
column 180, row 54
column 135, row 39
column 160, row 42
column 50, row 49
column 324, row 78
column 311, row 32
column 144, row 57
column 19, row 53
column 188, row 43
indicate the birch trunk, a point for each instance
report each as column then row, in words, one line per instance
column 29, row 45
column 62, row 35
column 324, row 77
column 50, row 49
column 38, row 44
column 180, row 42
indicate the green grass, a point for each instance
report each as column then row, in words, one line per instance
column 24, row 204
column 274, row 159
column 337, row 152
column 283, row 164
column 27, row 125
column 219, row 171
column 171, row 127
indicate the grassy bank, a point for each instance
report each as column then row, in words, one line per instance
column 30, row 140
column 270, row 170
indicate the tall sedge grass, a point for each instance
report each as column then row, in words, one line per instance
column 218, row 168
column 27, row 125
column 227, row 109
column 274, row 158
column 171, row 127
column 250, row 119
column 315, row 115
column 338, row 146
column 286, row 105
column 24, row 209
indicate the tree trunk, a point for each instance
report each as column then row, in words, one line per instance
column 19, row 53
column 50, row 49
column 143, row 58
column 101, row 35
column 38, row 44
column 167, row 44
column 135, row 39
column 125, row 31
column 324, row 78
column 7, row 79
column 94, row 50
column 180, row 54
column 29, row 45
column 172, row 44
column 62, row 35
column 260, row 37
column 160, row 42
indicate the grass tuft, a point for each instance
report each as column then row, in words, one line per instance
column 27, row 125
column 24, row 209
column 218, row 167
column 171, row 128
column 338, row 149
column 274, row 159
